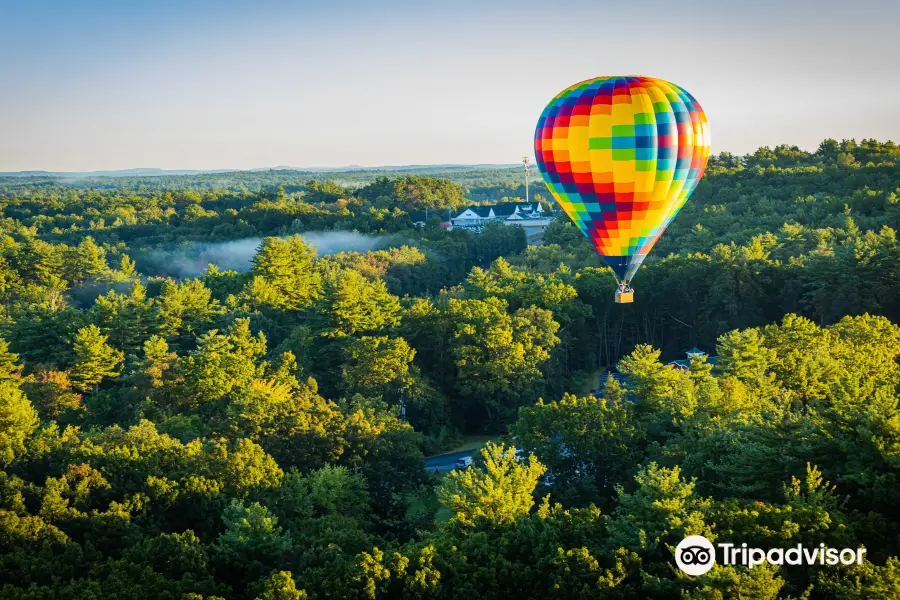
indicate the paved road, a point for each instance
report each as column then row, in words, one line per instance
column 444, row 462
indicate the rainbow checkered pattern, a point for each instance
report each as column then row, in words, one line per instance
column 621, row 155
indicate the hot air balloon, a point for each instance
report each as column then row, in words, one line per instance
column 622, row 155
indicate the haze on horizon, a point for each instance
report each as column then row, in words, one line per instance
column 103, row 85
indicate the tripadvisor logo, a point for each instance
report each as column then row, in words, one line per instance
column 696, row 555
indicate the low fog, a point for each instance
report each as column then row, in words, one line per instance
column 192, row 258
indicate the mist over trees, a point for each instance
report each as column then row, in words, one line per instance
column 260, row 432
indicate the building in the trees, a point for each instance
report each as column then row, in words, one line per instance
column 529, row 215
column 693, row 353
column 419, row 218
column 621, row 379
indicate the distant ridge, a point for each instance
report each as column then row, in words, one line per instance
column 154, row 172
column 119, row 173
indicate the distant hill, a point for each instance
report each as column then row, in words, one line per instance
column 154, row 172
column 119, row 173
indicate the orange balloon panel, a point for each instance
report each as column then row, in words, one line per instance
column 621, row 155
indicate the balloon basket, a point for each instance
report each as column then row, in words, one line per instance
column 624, row 297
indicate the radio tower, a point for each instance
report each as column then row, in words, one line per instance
column 527, row 167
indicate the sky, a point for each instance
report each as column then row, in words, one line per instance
column 102, row 85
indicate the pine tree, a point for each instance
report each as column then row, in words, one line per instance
column 374, row 363
column 287, row 265
column 157, row 361
column 279, row 586
column 9, row 362
column 127, row 319
column 354, row 304
column 95, row 359
column 496, row 495
column 17, row 420
column 85, row 262
column 185, row 310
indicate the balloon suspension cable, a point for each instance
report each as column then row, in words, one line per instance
column 622, row 282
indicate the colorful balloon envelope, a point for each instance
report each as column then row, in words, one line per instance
column 621, row 155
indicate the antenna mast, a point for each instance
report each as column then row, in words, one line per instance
column 527, row 167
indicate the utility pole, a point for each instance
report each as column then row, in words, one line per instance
column 527, row 167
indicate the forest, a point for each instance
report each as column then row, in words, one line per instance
column 256, row 429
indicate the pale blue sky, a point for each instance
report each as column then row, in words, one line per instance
column 200, row 85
